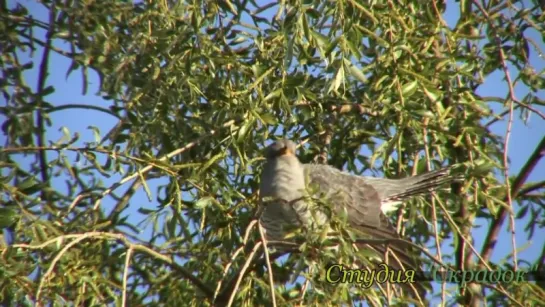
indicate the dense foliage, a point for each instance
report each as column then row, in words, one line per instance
column 200, row 87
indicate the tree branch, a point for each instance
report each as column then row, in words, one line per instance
column 42, row 77
column 492, row 235
column 126, row 242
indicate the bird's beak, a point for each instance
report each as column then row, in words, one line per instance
column 286, row 152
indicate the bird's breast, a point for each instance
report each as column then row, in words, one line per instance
column 284, row 179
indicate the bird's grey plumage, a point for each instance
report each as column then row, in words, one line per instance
column 363, row 198
column 283, row 184
column 282, row 191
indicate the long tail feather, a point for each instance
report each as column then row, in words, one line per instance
column 400, row 189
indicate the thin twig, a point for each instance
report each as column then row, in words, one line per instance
column 83, row 195
column 248, row 229
column 519, row 181
column 304, row 290
column 509, row 296
column 127, row 243
column 81, row 106
column 449, row 218
column 493, row 231
column 505, row 158
column 511, row 192
column 164, row 158
column 400, row 263
column 267, row 259
column 455, row 225
column 531, row 187
column 512, row 98
column 54, row 262
column 433, row 205
column 67, row 54
column 230, row 263
column 241, row 275
column 226, row 270
column 112, row 153
column 518, row 105
column 125, row 277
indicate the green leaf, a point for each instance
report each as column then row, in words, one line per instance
column 522, row 212
column 203, row 202
column 8, row 217
column 213, row 160
column 29, row 186
column 408, row 89
column 269, row 119
column 274, row 94
column 425, row 113
column 321, row 39
column 433, row 94
column 47, row 91
column 289, row 53
column 144, row 184
column 482, row 168
column 306, row 29
column 355, row 52
column 241, row 134
column 171, row 226
column 355, row 71
column 339, row 78
column 96, row 133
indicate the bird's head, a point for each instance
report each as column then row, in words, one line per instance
column 280, row 148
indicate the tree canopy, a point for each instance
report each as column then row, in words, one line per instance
column 161, row 207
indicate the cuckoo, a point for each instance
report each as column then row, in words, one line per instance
column 364, row 199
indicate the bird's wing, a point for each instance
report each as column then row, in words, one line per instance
column 363, row 202
column 363, row 206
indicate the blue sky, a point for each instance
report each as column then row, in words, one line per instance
column 524, row 138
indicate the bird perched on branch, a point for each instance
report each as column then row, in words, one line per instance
column 285, row 203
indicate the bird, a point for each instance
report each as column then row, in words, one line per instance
column 365, row 200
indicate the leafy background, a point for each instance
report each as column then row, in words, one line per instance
column 132, row 137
